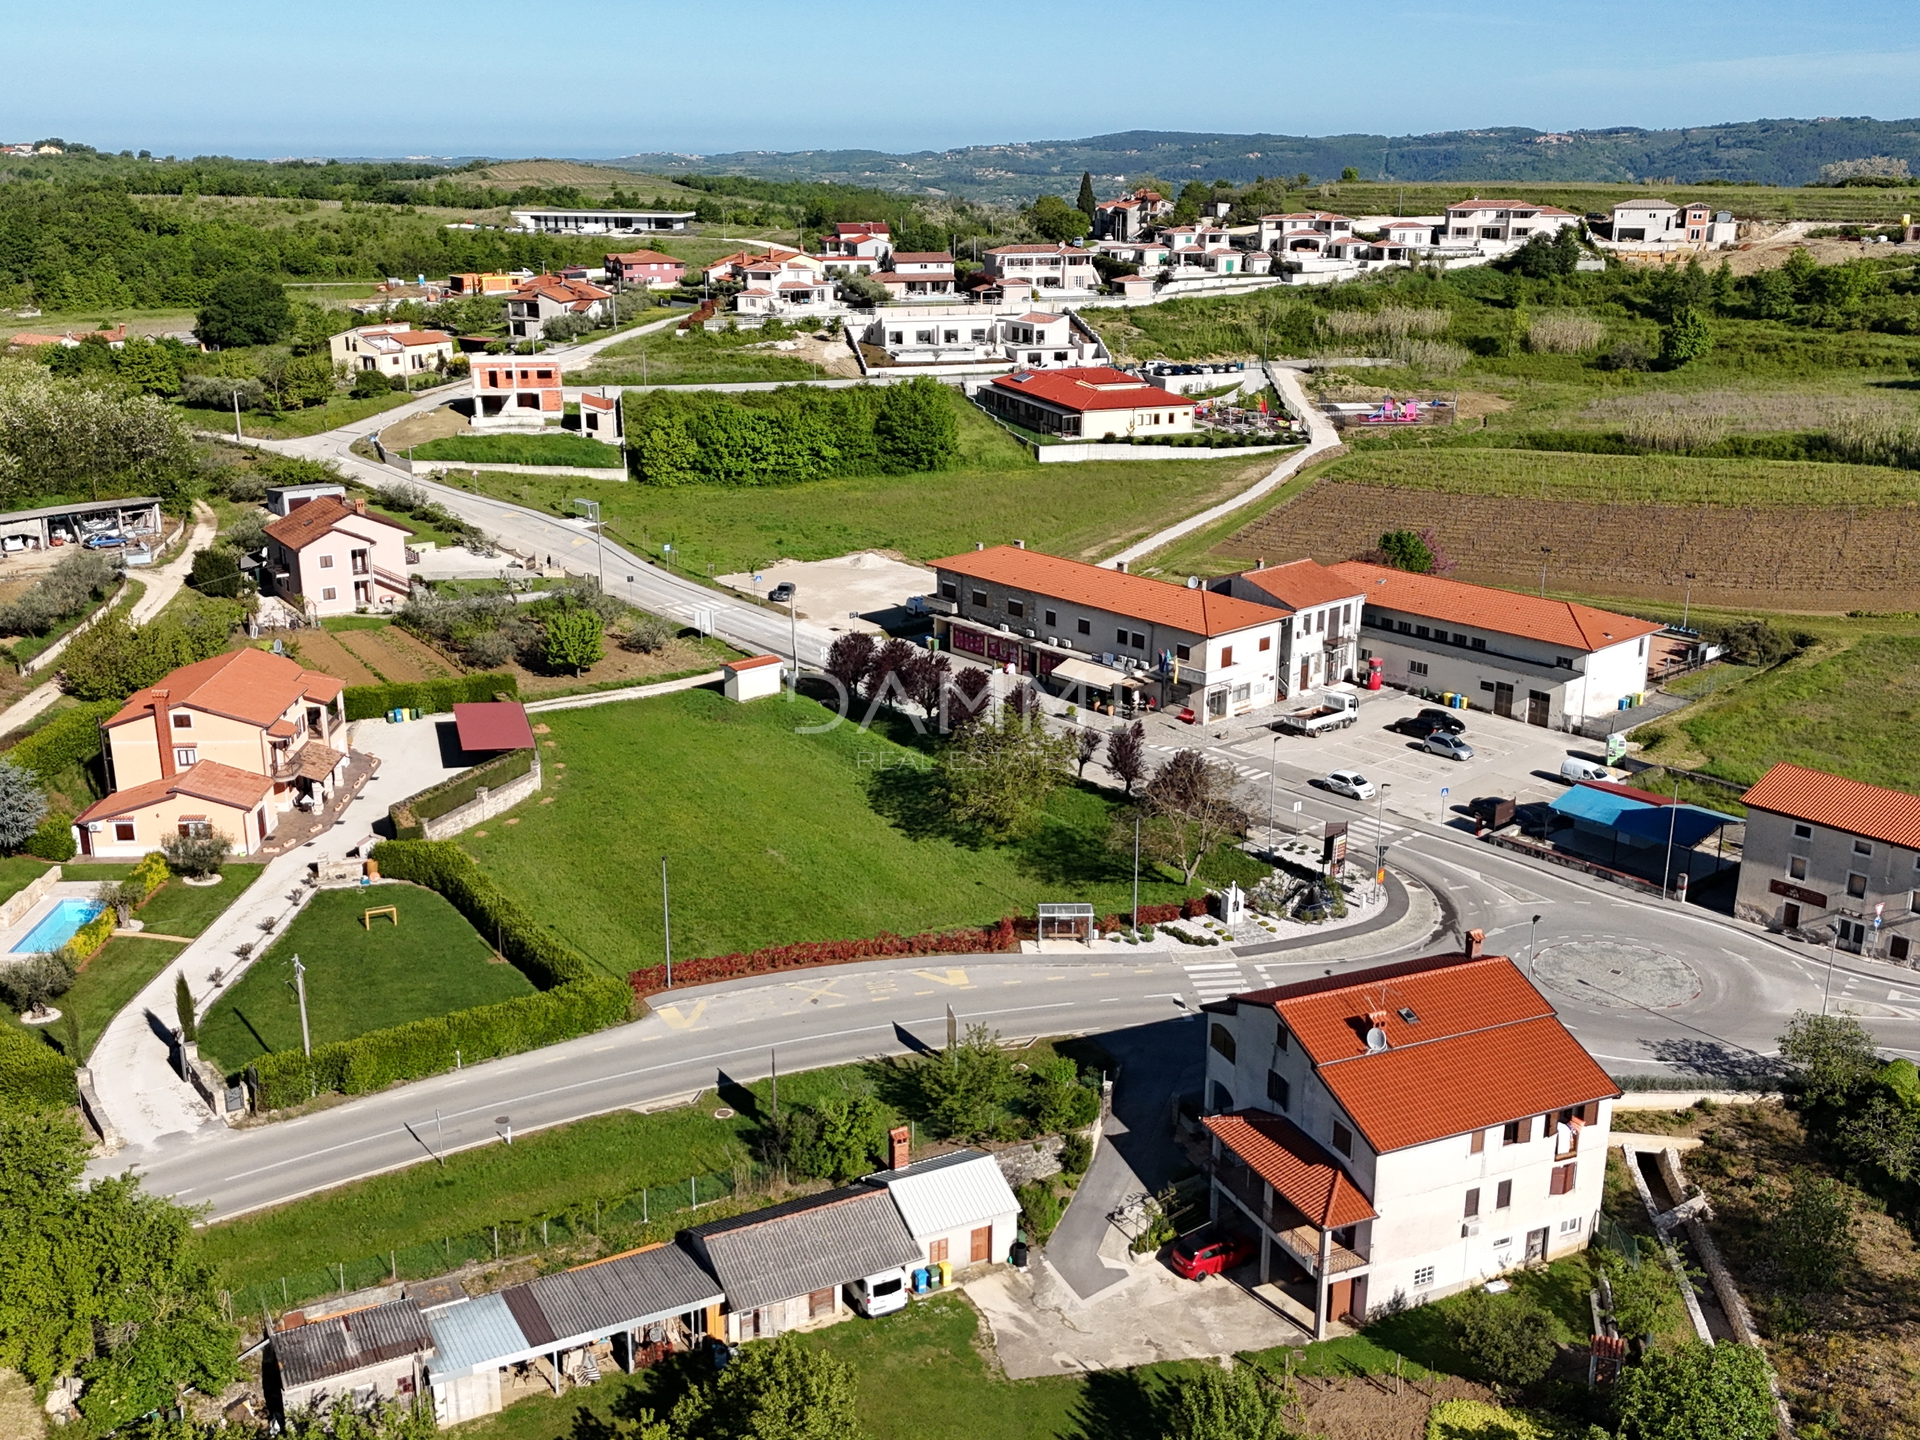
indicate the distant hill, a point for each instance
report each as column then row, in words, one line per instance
column 1763, row 152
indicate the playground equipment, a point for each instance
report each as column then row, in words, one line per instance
column 392, row 912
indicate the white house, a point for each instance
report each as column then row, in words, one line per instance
column 392, row 349
column 542, row 298
column 1395, row 1134
column 1150, row 255
column 1548, row 662
column 866, row 240
column 1301, row 231
column 1496, row 226
column 1130, row 216
column 938, row 335
column 918, row 276
column 1059, row 270
column 1654, row 224
column 1322, row 609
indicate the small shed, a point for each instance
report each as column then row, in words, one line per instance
column 493, row 725
column 378, row 1352
column 959, row 1207
column 753, row 678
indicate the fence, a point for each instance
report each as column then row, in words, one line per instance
column 1624, row 1243
column 450, row 795
column 621, row 1219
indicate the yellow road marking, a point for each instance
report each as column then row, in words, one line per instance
column 673, row 1016
column 954, row 976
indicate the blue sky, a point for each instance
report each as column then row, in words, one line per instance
column 535, row 78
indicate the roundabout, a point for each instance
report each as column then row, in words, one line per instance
column 1617, row 975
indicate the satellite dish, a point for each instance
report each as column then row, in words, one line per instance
column 1376, row 1041
column 1193, row 582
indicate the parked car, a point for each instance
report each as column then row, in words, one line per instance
column 104, row 542
column 880, row 1294
column 1451, row 746
column 1428, row 721
column 1350, row 783
column 782, row 593
column 1574, row 769
column 1208, row 1251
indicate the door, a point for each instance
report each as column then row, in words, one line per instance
column 1216, row 704
column 980, row 1245
column 1303, row 674
column 1503, row 699
column 1357, row 1303
column 1790, row 916
column 1537, row 703
column 1536, row 1246
column 1339, row 1298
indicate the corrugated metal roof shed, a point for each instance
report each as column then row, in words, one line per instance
column 342, row 1344
column 623, row 1292
column 475, row 1335
column 949, row 1192
column 805, row 1245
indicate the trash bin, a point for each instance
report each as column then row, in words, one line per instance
column 920, row 1281
column 1017, row 1255
column 945, row 1267
column 1374, row 667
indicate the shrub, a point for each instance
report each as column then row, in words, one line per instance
column 31, row 983
column 433, row 697
column 1479, row 1420
column 52, row 839
column 370, row 385
column 91, row 936
column 1696, row 1392
column 450, row 795
column 805, row 954
column 195, row 856
column 839, row 1139
column 150, row 874
column 1060, row 1101
column 32, row 1075
column 1509, row 1337
column 649, row 634
column 1076, row 1154
column 573, row 639
column 1039, row 1208
column 23, row 807
column 76, row 584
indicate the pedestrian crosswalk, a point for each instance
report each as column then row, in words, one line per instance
column 1215, row 979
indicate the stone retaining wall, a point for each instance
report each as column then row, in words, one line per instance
column 484, row 806
column 15, row 907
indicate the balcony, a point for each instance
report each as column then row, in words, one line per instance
column 1284, row 1223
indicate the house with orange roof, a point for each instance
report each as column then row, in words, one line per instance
column 1399, row 1133
column 862, row 239
column 1098, row 634
column 646, row 267
column 1549, row 662
column 1830, row 858
column 1497, row 226
column 332, row 556
column 392, row 349
column 224, row 746
column 545, row 296
column 1322, row 618
column 1130, row 216
column 1082, row 402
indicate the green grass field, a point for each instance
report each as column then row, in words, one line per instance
column 341, row 410
column 696, row 358
column 773, row 836
column 358, row 979
column 556, row 449
column 19, row 871
column 178, row 909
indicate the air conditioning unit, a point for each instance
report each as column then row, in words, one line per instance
column 1006, row 629
column 1050, row 640
column 1066, row 644
column 1470, row 1229
column 1028, row 632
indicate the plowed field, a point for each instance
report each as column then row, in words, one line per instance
column 394, row 655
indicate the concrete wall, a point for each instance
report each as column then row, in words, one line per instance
column 15, row 907
column 484, row 806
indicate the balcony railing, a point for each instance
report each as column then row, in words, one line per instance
column 1299, row 1240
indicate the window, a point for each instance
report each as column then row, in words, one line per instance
column 1226, row 656
column 1803, row 832
column 329, row 593
column 1857, row 886
column 1406, row 627
column 979, row 597
column 1278, row 1090
column 1479, row 643
column 1183, row 652
column 1017, row 608
column 1503, row 1196
column 123, row 831
column 1266, row 643
column 1899, row 948
column 1472, row 1210
column 1441, row 636
column 1084, row 627
column 326, row 562
column 1346, row 614
column 1120, row 636
column 1221, row 1039
column 949, row 590
column 1280, row 1040
column 1562, row 1180
column 1342, row 1139
column 1797, row 867
column 1477, row 1143
column 1570, row 1226
column 1139, row 641
column 1423, row 1276
column 1517, row 1132
column 196, row 827
column 182, row 720
column 1416, row 667
column 1861, row 847
column 1563, row 662
column 1422, row 632
column 1051, row 619
column 185, row 755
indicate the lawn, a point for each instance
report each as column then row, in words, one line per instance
column 358, row 978
column 773, row 835
column 17, row 872
column 696, row 357
column 181, row 909
column 293, row 424
column 555, row 449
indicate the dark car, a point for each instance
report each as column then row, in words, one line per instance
column 781, row 593
column 1430, row 720
column 1207, row 1251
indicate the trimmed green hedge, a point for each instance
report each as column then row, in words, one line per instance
column 442, row 866
column 430, row 697
column 448, row 795
column 428, row 1047
column 70, row 738
column 33, row 1075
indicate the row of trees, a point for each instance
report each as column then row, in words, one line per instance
column 70, row 437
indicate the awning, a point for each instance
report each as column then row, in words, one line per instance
column 1085, row 672
column 1599, row 806
column 1284, row 1156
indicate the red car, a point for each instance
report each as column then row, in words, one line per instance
column 1210, row 1252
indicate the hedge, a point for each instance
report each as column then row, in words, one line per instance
column 150, row 874
column 32, row 1075
column 442, row 866
column 92, row 935
column 430, row 697
column 1191, row 908
column 71, row 738
column 449, row 795
column 432, row 1047
column 825, row 952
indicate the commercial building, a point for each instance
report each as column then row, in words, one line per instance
column 1825, row 855
column 1322, row 609
column 1082, row 403
column 1395, row 1134
column 1104, row 634
column 1548, row 662
column 600, row 222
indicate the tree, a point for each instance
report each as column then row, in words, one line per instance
column 1088, row 204
column 916, row 429
column 1508, row 1336
column 306, row 380
column 849, row 658
column 120, row 896
column 775, row 1390
column 1053, row 219
column 1697, row 1392
column 573, row 637
column 217, row 572
column 1193, row 199
column 1830, row 1058
column 1216, row 1404
column 31, row 983
column 244, row 308
column 1687, row 338
column 1190, row 809
column 1349, row 174
column 1813, row 1235
column 997, row 775
column 195, row 856
column 370, row 385
column 966, row 699
column 968, row 1087
column 860, row 287
column 840, row 1138
column 1405, row 550
column 889, row 661
column 1127, row 754
column 925, row 677
column 183, row 1007
column 1059, row 1101
column 23, row 805
column 1086, row 746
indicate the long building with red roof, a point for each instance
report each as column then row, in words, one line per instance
column 1402, row 1132
column 1091, row 402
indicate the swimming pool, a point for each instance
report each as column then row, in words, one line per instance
column 57, row 926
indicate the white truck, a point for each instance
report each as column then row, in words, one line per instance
column 1315, row 712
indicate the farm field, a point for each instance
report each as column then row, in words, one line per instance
column 774, row 836
column 392, row 654
column 359, row 978
column 697, row 358
column 555, row 449
column 321, row 650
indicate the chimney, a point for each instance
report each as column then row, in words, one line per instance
column 979, row 544
column 1121, row 566
column 163, row 729
column 1476, row 944
column 899, row 1147
column 1019, row 544
column 359, row 506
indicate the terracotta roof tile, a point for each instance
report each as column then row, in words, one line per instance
column 1198, row 612
column 646, row 257
column 1093, row 387
column 209, row 780
column 250, row 685
column 1283, row 1155
column 1556, row 622
column 1872, row 811
column 312, row 521
column 1484, row 1047
column 1302, row 584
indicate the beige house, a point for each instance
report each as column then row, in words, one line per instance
column 331, row 557
column 393, row 349
column 220, row 747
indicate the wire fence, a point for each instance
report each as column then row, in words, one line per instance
column 1624, row 1243
column 626, row 1218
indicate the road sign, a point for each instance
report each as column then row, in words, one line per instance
column 1446, row 790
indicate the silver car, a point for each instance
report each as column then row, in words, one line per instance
column 1451, row 746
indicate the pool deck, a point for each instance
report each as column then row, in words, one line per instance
column 62, row 890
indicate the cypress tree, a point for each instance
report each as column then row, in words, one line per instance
column 1086, row 202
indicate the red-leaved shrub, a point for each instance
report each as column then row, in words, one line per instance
column 993, row 940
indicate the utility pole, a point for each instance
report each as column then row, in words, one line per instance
column 1533, row 938
column 793, row 637
column 666, row 919
column 1546, row 552
column 1136, row 872
column 1273, row 775
column 1686, row 606
column 773, row 1069
column 236, row 413
column 300, row 988
column 1673, row 819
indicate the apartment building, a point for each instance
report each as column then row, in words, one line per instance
column 1395, row 1134
column 1061, row 270
column 1318, row 636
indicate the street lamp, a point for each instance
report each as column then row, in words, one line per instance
column 1686, row 606
column 1273, row 776
column 1546, row 551
column 793, row 636
column 666, row 919
column 1533, row 942
column 1380, row 832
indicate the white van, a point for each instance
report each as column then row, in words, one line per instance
column 1574, row 769
column 880, row 1294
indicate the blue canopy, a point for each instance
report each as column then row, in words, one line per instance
column 1602, row 807
column 1688, row 824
